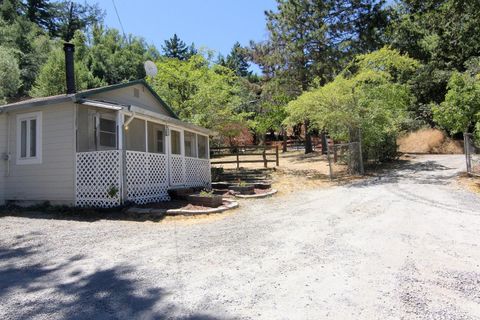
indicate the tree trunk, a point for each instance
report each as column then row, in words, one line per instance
column 308, row 137
column 284, row 136
column 323, row 136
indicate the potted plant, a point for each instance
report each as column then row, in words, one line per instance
column 243, row 188
column 205, row 198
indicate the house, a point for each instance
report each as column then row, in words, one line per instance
column 100, row 147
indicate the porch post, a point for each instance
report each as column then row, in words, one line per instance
column 123, row 156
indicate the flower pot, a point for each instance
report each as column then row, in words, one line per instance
column 248, row 189
column 212, row 201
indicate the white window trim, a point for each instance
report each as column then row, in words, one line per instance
column 39, row 126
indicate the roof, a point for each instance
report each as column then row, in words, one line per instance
column 82, row 98
column 43, row 101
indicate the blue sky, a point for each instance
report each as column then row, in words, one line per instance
column 215, row 24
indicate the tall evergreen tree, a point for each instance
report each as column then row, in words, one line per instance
column 236, row 60
column 71, row 16
column 177, row 49
column 40, row 12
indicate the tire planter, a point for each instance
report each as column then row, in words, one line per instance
column 263, row 185
column 220, row 185
column 248, row 189
column 212, row 201
column 180, row 193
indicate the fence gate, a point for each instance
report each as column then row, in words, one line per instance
column 345, row 159
column 472, row 154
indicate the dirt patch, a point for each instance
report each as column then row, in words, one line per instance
column 429, row 141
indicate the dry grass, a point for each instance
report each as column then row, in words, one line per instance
column 297, row 171
column 469, row 182
column 429, row 141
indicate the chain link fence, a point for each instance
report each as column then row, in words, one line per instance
column 345, row 159
column 472, row 154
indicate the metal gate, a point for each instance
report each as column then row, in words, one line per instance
column 472, row 154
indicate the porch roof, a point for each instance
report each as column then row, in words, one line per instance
column 132, row 110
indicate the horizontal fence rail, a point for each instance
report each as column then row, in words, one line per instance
column 242, row 151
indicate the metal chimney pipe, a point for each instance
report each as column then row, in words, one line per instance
column 69, row 49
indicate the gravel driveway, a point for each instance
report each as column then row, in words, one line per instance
column 406, row 245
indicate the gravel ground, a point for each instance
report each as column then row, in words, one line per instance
column 404, row 245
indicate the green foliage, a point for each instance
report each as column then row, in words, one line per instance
column 9, row 74
column 204, row 94
column 369, row 100
column 444, row 35
column 460, row 112
column 51, row 79
column 177, row 49
column 113, row 58
column 236, row 60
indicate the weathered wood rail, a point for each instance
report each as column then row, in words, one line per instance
column 242, row 151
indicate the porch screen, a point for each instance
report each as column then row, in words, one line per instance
column 135, row 136
column 202, row 147
column 156, row 137
column 176, row 144
column 190, row 144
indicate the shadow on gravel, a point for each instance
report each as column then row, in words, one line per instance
column 427, row 172
column 32, row 287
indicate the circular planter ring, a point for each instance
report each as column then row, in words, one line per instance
column 256, row 196
column 230, row 205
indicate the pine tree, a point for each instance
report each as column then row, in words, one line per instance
column 236, row 61
column 177, row 49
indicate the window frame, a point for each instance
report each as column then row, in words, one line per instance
column 37, row 159
column 109, row 117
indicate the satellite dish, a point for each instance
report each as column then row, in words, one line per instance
column 150, row 68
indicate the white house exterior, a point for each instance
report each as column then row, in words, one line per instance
column 100, row 147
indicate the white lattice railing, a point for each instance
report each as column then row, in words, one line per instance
column 177, row 170
column 146, row 177
column 97, row 181
column 197, row 172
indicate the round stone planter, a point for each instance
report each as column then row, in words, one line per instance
column 212, row 201
column 248, row 189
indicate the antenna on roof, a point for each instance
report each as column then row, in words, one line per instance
column 150, row 68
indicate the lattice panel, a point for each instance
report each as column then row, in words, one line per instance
column 197, row 172
column 177, row 170
column 97, row 176
column 146, row 177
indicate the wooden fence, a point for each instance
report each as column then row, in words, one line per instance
column 242, row 151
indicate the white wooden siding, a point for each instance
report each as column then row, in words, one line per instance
column 3, row 150
column 53, row 179
column 125, row 95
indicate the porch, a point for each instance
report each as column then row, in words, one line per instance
column 125, row 155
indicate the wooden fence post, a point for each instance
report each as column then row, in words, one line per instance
column 265, row 163
column 238, row 160
column 276, row 155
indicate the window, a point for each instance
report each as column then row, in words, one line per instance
column 29, row 138
column 108, row 133
column 176, row 144
column 190, row 144
column 156, row 133
column 202, row 143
